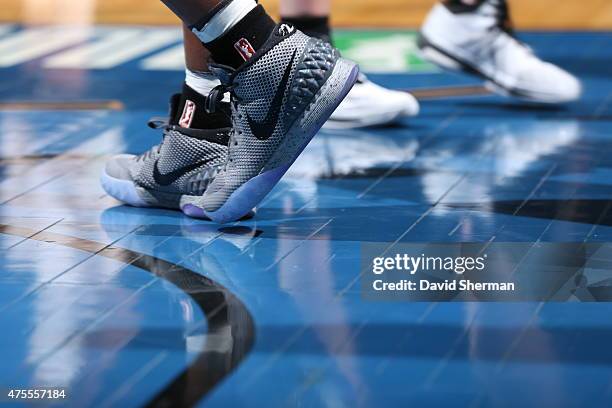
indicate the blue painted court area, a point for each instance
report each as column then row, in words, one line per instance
column 126, row 307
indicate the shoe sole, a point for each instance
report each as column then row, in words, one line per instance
column 251, row 193
column 448, row 60
column 122, row 190
column 127, row 192
column 386, row 118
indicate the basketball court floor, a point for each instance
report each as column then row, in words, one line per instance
column 128, row 307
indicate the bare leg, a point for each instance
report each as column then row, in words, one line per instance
column 298, row 8
column 309, row 16
column 199, row 82
column 191, row 11
column 196, row 55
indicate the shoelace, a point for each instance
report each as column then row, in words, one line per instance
column 213, row 102
column 156, row 123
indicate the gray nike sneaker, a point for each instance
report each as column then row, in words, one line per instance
column 280, row 99
column 183, row 163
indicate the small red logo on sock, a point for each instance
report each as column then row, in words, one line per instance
column 187, row 116
column 244, row 48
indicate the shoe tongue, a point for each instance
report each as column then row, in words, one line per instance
column 175, row 104
column 498, row 13
column 188, row 110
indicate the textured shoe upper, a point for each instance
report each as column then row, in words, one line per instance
column 269, row 92
column 181, row 163
column 184, row 162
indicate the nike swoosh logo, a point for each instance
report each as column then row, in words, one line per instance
column 264, row 129
column 169, row 178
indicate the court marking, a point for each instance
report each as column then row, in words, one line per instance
column 448, row 91
column 197, row 380
column 116, row 105
column 114, row 49
column 27, row 45
column 161, row 49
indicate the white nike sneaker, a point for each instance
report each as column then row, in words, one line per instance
column 368, row 104
column 479, row 42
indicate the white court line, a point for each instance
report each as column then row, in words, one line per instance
column 5, row 28
column 170, row 59
column 27, row 45
column 116, row 47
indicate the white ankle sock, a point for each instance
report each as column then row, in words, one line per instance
column 225, row 19
column 201, row 82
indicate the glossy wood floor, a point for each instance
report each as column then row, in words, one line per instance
column 528, row 14
column 131, row 307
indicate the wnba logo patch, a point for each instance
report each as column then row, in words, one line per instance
column 187, row 116
column 244, row 48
